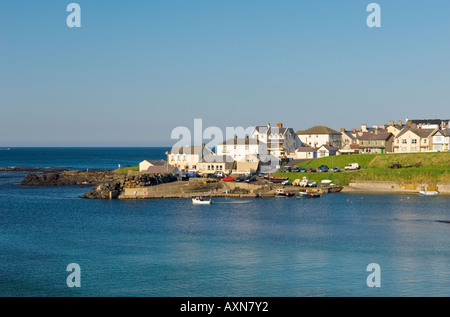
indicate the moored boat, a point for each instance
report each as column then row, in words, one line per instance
column 428, row 193
column 275, row 179
column 201, row 201
column 307, row 195
column 281, row 193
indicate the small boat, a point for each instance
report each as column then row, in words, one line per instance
column 201, row 201
column 428, row 193
column 275, row 179
column 307, row 195
column 281, row 193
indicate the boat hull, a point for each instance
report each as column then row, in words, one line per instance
column 428, row 193
column 307, row 195
column 201, row 202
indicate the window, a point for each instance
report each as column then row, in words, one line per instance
column 403, row 149
column 414, row 149
column 414, row 141
column 247, row 147
column 224, row 149
column 424, row 140
column 184, row 157
column 375, row 142
column 403, row 141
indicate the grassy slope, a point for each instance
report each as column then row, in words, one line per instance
column 126, row 169
column 434, row 168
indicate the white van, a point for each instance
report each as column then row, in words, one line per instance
column 352, row 166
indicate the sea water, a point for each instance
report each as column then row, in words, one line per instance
column 235, row 247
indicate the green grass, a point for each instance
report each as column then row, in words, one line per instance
column 434, row 168
column 126, row 169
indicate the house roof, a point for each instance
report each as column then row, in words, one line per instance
column 328, row 147
column 262, row 128
column 375, row 136
column 240, row 141
column 156, row 162
column 306, row 149
column 427, row 121
column 349, row 134
column 217, row 159
column 423, row 133
column 319, row 129
column 190, row 150
column 162, row 169
column 446, row 132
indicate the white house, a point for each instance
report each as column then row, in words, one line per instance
column 240, row 148
column 305, row 152
column 187, row 157
column 280, row 141
column 320, row 135
column 216, row 163
column 326, row 150
column 440, row 140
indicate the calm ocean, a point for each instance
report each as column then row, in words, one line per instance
column 281, row 247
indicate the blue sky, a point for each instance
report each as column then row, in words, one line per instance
column 135, row 70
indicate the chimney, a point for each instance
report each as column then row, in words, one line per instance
column 363, row 127
column 279, row 125
column 375, row 126
column 342, row 130
column 353, row 130
column 399, row 123
column 391, row 123
column 328, row 143
column 376, row 131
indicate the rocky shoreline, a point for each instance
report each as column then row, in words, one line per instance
column 106, row 184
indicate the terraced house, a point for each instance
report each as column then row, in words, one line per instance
column 412, row 140
column 187, row 157
column 376, row 142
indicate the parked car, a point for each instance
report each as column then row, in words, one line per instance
column 219, row 174
column 286, row 169
column 311, row 170
column 352, row 166
column 286, row 182
column 297, row 169
column 240, row 178
column 250, row 179
column 303, row 170
column 227, row 179
column 336, row 169
column 322, row 169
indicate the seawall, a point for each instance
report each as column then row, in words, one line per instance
column 396, row 187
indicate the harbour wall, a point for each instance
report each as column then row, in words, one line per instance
column 442, row 188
